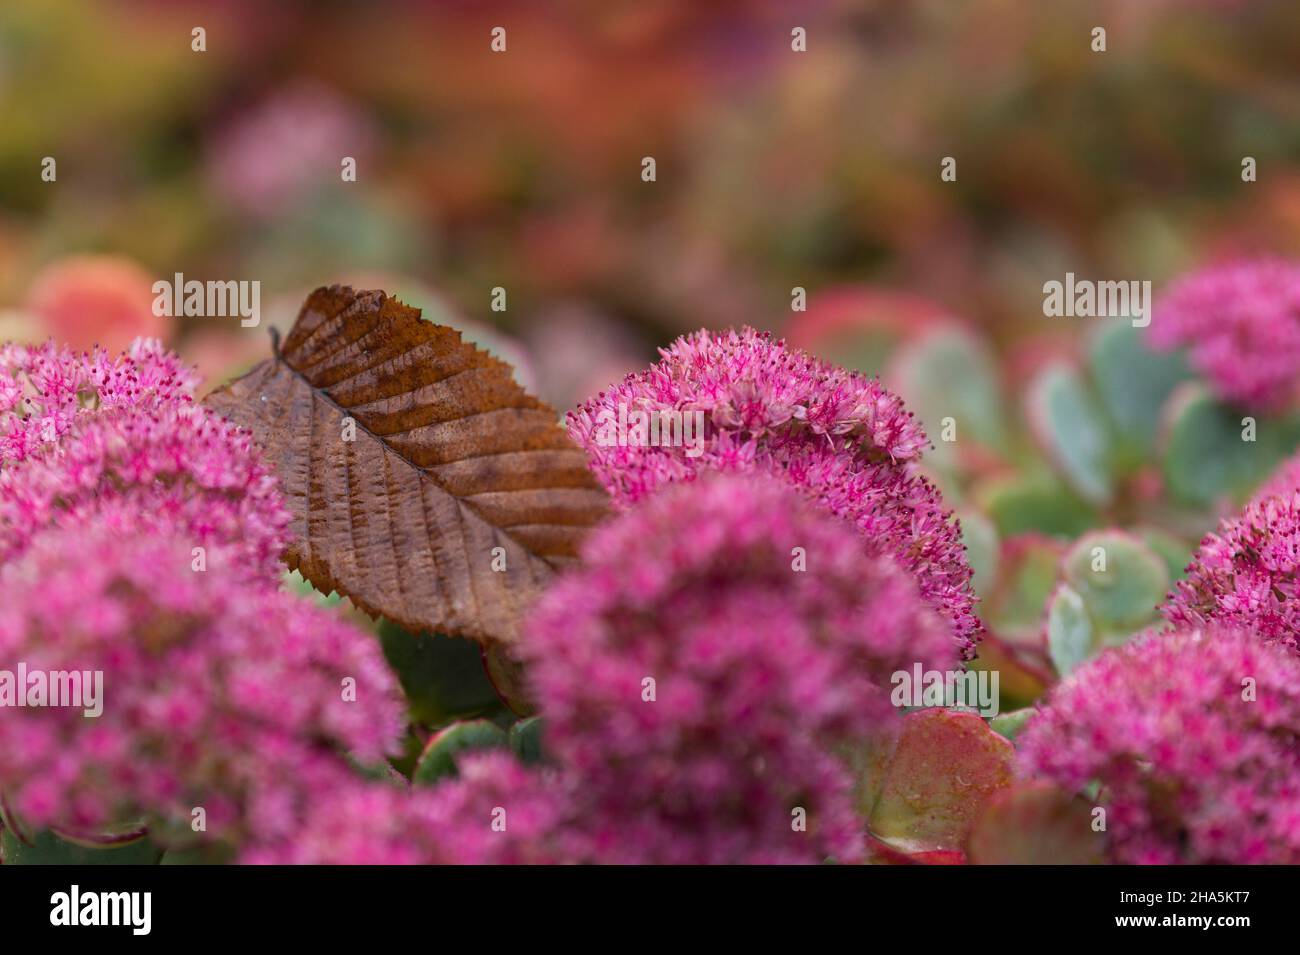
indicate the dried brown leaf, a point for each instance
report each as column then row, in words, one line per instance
column 451, row 459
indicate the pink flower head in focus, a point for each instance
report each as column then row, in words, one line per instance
column 1196, row 764
column 1241, row 323
column 762, row 673
column 45, row 388
column 839, row 437
column 1248, row 573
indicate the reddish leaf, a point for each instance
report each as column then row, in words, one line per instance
column 881, row 853
column 1035, row 824
column 944, row 769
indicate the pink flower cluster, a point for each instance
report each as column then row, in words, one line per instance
column 839, row 437
column 45, row 388
column 232, row 697
column 1194, row 736
column 121, row 437
column 496, row 812
column 1242, row 324
column 1248, row 574
column 139, row 539
column 178, row 468
column 274, row 154
column 705, row 674
column 699, row 678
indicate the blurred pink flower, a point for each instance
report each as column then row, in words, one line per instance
column 495, row 812
column 362, row 823
column 178, row 470
column 218, row 694
column 577, row 351
column 1241, row 323
column 91, row 300
column 285, row 147
column 700, row 686
column 843, row 439
column 1196, row 765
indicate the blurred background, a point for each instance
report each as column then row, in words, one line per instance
column 522, row 169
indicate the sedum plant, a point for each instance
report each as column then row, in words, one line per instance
column 671, row 628
column 841, row 438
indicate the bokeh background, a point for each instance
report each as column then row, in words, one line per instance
column 522, row 170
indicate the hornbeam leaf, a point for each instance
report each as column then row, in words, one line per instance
column 425, row 484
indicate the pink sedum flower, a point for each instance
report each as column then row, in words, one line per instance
column 1248, row 573
column 362, row 823
column 496, row 812
column 1241, row 323
column 272, row 155
column 762, row 673
column 44, row 389
column 839, row 437
column 216, row 693
column 169, row 467
column 1191, row 770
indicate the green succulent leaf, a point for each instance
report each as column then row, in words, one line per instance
column 438, row 761
column 526, row 740
column 1072, row 429
column 1119, row 578
column 1031, row 568
column 443, row 677
column 865, row 350
column 1174, row 551
column 1035, row 824
column 1071, row 636
column 48, row 849
column 1009, row 725
column 981, row 540
column 1133, row 382
column 950, row 373
column 1023, row 505
column 198, row 855
column 1206, row 452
